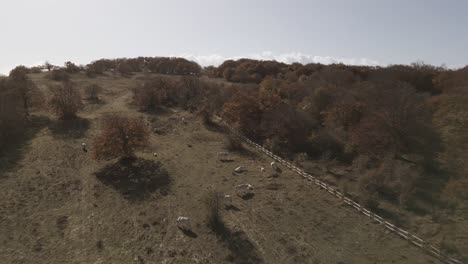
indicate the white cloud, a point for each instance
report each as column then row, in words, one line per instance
column 215, row 59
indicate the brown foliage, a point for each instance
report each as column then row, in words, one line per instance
column 71, row 68
column 243, row 110
column 11, row 114
column 59, row 75
column 396, row 119
column 26, row 89
column 233, row 143
column 124, row 68
column 120, row 136
column 393, row 179
column 154, row 93
column 65, row 101
column 92, row 92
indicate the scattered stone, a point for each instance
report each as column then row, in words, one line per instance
column 240, row 169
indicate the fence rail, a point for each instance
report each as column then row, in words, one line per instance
column 414, row 240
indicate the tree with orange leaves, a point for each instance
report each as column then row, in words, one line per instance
column 120, row 136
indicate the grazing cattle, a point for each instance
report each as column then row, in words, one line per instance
column 227, row 199
column 83, row 147
column 244, row 189
column 262, row 169
column 240, row 169
column 183, row 223
column 275, row 167
column 155, row 154
column 224, row 156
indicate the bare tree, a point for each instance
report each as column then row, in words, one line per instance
column 65, row 101
column 26, row 89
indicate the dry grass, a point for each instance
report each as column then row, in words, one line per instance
column 58, row 211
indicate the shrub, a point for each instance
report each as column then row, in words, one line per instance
column 206, row 116
column 120, row 136
column 59, row 75
column 323, row 143
column 26, row 89
column 71, row 68
column 154, row 93
column 244, row 112
column 65, row 101
column 233, row 143
column 92, row 92
column 11, row 114
column 36, row 69
column 369, row 201
column 396, row 120
column 124, row 69
column 48, row 66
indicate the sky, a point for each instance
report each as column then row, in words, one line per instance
column 361, row 32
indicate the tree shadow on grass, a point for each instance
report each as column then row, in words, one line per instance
column 13, row 151
column 136, row 178
column 215, row 127
column 70, row 128
column 190, row 233
column 242, row 250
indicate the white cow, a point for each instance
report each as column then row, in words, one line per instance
column 240, row 169
column 183, row 223
column 227, row 199
column 244, row 189
column 262, row 169
column 155, row 154
column 274, row 166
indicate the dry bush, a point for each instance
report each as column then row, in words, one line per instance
column 124, row 69
column 392, row 179
column 154, row 94
column 92, row 92
column 71, row 68
column 11, row 114
column 26, row 89
column 36, row 69
column 48, row 66
column 244, row 112
column 59, row 75
column 369, row 201
column 325, row 144
column 396, row 119
column 233, row 143
column 65, row 101
column 120, row 136
column 290, row 127
column 190, row 92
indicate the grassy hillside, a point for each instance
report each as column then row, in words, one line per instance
column 55, row 208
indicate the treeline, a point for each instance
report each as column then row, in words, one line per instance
column 403, row 122
column 123, row 66
column 404, row 126
column 419, row 75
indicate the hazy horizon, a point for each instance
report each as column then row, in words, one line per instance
column 209, row 32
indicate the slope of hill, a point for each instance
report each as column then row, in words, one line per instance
column 54, row 209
